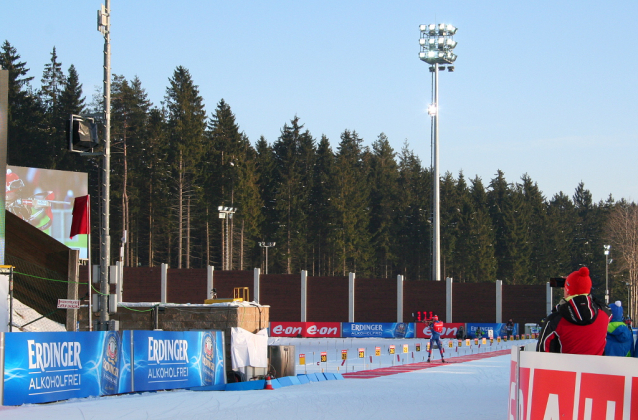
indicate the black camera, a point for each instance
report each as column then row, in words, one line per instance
column 557, row 282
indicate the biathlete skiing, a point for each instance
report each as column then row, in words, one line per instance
column 436, row 328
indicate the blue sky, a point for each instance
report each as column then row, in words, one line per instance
column 545, row 88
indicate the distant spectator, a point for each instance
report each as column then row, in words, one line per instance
column 509, row 328
column 460, row 333
column 578, row 324
column 620, row 338
column 479, row 332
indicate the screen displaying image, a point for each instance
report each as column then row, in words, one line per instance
column 44, row 199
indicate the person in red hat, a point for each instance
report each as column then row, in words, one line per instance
column 578, row 324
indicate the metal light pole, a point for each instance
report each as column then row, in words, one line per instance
column 226, row 213
column 607, row 248
column 104, row 26
column 437, row 43
column 266, row 245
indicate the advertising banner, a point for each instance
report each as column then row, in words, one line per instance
column 378, row 330
column 305, row 329
column 572, row 387
column 449, row 329
column 43, row 367
column 177, row 359
column 498, row 329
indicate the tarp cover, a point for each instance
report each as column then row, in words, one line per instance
column 248, row 349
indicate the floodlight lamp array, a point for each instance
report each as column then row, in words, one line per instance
column 437, row 43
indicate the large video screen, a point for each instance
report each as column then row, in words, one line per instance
column 44, row 198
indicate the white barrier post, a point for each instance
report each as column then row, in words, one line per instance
column 164, row 268
column 351, row 297
column 256, row 280
column 399, row 298
column 448, row 299
column 210, row 271
column 499, row 301
column 304, row 295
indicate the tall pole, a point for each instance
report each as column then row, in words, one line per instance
column 266, row 260
column 436, row 238
column 105, row 240
column 607, row 278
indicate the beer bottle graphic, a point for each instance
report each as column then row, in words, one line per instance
column 110, row 366
column 399, row 330
column 208, row 359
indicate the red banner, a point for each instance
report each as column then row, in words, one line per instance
column 574, row 387
column 305, row 329
column 449, row 329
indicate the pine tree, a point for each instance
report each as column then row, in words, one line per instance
column 71, row 102
column 384, row 176
column 186, row 125
column 293, row 152
column 26, row 114
column 321, row 220
column 414, row 238
column 350, row 205
column 129, row 114
column 52, row 85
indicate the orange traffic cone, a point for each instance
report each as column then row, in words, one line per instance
column 268, row 383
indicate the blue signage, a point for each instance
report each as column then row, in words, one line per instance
column 499, row 330
column 177, row 359
column 378, row 329
column 43, row 367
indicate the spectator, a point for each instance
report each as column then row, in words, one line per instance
column 509, row 329
column 479, row 332
column 620, row 338
column 460, row 333
column 578, row 324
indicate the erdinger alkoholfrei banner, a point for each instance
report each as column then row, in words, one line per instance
column 177, row 359
column 379, row 330
column 305, row 329
column 449, row 329
column 44, row 367
column 499, row 329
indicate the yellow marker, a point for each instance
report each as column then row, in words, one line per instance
column 418, row 346
column 377, row 351
column 324, row 356
column 362, row 353
column 405, row 348
column 467, row 342
column 302, row 359
column 450, row 344
column 344, row 354
column 392, row 349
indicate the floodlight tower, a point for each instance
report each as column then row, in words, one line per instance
column 437, row 43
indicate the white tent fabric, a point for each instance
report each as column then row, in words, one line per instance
column 248, row 349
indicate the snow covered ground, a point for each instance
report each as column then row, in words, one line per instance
column 476, row 390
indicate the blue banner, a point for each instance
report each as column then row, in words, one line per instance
column 43, row 367
column 177, row 359
column 379, row 330
column 499, row 329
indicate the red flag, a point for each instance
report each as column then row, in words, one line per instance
column 81, row 216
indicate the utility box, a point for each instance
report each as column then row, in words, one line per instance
column 281, row 361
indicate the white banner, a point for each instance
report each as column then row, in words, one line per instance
column 570, row 386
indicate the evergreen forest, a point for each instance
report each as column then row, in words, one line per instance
column 332, row 206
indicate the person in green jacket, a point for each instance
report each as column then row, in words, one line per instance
column 620, row 338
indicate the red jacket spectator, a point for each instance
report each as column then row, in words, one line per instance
column 578, row 324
